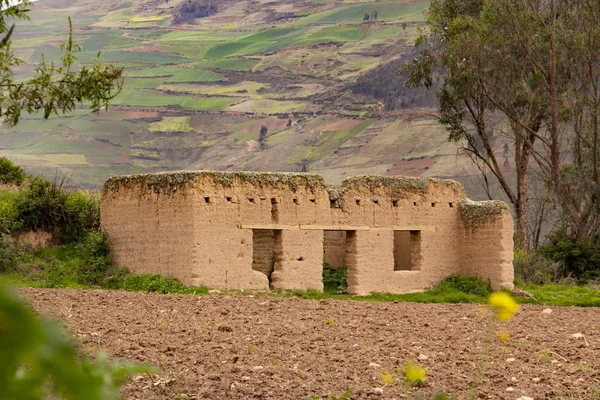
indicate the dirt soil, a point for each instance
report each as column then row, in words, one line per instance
column 241, row 347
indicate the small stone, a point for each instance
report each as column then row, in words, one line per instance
column 513, row 379
column 510, row 389
column 422, row 357
column 577, row 336
column 547, row 311
column 536, row 380
column 258, row 368
column 378, row 390
column 245, row 378
column 509, row 360
column 525, row 398
column 374, row 365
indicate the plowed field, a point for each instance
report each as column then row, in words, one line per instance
column 261, row 347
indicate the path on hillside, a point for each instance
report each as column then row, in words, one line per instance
column 271, row 348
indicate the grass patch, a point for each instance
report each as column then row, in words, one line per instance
column 231, row 64
column 394, row 11
column 336, row 140
column 261, row 42
column 177, row 74
column 332, row 34
column 133, row 57
column 563, row 295
column 171, row 124
column 242, row 89
column 334, row 16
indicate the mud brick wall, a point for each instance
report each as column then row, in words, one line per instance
column 230, row 230
column 263, row 245
column 487, row 251
column 334, row 248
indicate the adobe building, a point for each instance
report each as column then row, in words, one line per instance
column 245, row 230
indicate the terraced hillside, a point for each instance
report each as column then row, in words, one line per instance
column 198, row 93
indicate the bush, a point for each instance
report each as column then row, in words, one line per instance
column 51, row 206
column 11, row 173
column 9, row 214
column 334, row 279
column 83, row 211
column 465, row 284
column 579, row 259
column 153, row 283
column 41, row 205
column 94, row 255
column 533, row 267
column 8, row 254
column 189, row 11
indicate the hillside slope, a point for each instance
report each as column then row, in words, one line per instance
column 197, row 93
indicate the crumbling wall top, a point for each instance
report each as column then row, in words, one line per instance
column 401, row 187
column 170, row 182
column 475, row 213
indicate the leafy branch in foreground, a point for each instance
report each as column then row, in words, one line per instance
column 53, row 88
column 38, row 360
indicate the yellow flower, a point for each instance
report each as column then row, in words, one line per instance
column 415, row 375
column 387, row 378
column 504, row 336
column 504, row 304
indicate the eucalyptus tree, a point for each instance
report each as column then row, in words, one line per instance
column 527, row 69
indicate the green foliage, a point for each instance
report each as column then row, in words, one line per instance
column 563, row 295
column 37, row 360
column 153, row 283
column 466, row 284
column 9, row 214
column 579, row 259
column 534, row 267
column 10, row 253
column 41, row 205
column 95, row 259
column 53, row 207
column 334, row 279
column 53, row 88
column 11, row 173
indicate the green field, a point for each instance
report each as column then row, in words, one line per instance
column 278, row 62
column 177, row 74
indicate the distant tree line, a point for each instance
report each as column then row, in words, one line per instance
column 191, row 10
column 386, row 84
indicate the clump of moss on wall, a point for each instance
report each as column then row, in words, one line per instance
column 160, row 183
column 171, row 182
column 336, row 194
column 292, row 180
column 475, row 213
column 401, row 186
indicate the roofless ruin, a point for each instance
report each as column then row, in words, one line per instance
column 245, row 230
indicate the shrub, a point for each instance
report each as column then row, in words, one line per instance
column 466, row 284
column 334, row 279
column 189, row 11
column 94, row 259
column 152, row 283
column 579, row 259
column 42, row 205
column 11, row 173
column 533, row 267
column 9, row 214
column 8, row 254
column 83, row 211
column 53, row 207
